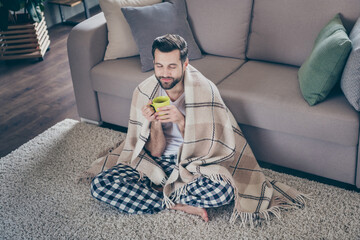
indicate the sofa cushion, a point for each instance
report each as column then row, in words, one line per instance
column 323, row 69
column 149, row 22
column 121, row 42
column 217, row 68
column 120, row 77
column 267, row 95
column 284, row 31
column 350, row 81
column 221, row 27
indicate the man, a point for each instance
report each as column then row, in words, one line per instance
column 167, row 127
column 190, row 155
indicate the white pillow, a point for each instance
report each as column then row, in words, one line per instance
column 121, row 42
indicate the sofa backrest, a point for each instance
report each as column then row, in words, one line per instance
column 220, row 27
column 284, row 31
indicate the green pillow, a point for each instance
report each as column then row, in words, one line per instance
column 323, row 69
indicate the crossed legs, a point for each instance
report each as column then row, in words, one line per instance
column 120, row 187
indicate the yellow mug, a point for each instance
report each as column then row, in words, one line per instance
column 160, row 102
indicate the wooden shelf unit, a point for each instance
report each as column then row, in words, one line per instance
column 70, row 3
column 24, row 41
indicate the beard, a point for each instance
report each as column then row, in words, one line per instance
column 171, row 84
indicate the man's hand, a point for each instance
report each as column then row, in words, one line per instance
column 170, row 113
column 156, row 142
column 148, row 112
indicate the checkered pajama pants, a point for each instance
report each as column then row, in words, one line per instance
column 120, row 187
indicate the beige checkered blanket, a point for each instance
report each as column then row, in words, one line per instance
column 213, row 146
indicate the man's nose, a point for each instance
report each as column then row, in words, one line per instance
column 167, row 73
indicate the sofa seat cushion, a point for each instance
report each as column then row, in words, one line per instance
column 267, row 95
column 120, row 77
column 217, row 68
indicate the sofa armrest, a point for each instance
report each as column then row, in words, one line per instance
column 357, row 180
column 86, row 47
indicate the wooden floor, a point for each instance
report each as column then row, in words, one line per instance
column 35, row 95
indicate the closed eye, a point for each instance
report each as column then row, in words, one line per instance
column 172, row 66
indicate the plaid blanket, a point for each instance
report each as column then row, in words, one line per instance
column 213, row 146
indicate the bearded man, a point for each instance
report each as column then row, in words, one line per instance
column 189, row 155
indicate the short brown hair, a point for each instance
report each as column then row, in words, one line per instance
column 170, row 42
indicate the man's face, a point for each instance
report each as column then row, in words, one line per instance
column 168, row 68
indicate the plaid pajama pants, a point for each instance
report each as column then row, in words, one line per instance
column 120, row 187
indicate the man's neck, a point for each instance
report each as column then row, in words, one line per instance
column 176, row 91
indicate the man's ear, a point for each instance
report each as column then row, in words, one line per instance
column 186, row 63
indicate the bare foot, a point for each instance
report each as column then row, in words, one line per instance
column 192, row 210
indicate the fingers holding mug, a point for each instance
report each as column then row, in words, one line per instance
column 148, row 111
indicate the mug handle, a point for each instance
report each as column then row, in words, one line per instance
column 152, row 105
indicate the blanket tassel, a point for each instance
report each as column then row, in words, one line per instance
column 254, row 219
column 167, row 203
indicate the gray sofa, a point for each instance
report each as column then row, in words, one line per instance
column 252, row 52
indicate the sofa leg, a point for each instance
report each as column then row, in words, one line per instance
column 91, row 121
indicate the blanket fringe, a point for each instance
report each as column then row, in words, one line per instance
column 169, row 202
column 255, row 219
column 141, row 175
column 304, row 198
column 247, row 218
column 220, row 178
column 178, row 193
column 299, row 202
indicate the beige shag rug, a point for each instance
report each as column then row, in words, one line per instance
column 40, row 199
